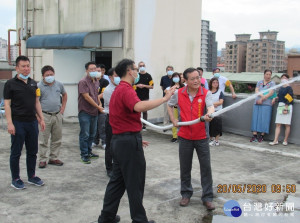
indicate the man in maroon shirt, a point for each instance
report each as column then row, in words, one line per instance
column 88, row 111
column 129, row 165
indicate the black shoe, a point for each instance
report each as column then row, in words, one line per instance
column 85, row 160
column 117, row 219
column 151, row 221
column 174, row 140
column 93, row 156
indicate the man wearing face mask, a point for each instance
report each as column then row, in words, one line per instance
column 100, row 133
column 203, row 80
column 114, row 82
column 53, row 109
column 165, row 82
column 142, row 87
column 88, row 107
column 223, row 82
column 22, row 106
column 129, row 165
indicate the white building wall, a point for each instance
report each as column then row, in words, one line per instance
column 166, row 33
column 69, row 66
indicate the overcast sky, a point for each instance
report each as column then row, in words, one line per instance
column 227, row 17
column 7, row 17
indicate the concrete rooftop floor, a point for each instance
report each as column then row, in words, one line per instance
column 74, row 192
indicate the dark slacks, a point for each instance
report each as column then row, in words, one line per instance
column 108, row 153
column 100, row 133
column 129, row 170
column 25, row 132
column 186, row 150
column 145, row 117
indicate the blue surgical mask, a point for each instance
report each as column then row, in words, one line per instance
column 136, row 79
column 217, row 75
column 49, row 79
column 117, row 80
column 142, row 69
column 175, row 79
column 24, row 77
column 93, row 74
column 170, row 72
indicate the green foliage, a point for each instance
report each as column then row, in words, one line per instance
column 241, row 88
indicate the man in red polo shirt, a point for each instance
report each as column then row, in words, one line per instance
column 192, row 100
column 129, row 165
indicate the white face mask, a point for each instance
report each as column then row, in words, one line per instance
column 142, row 69
column 284, row 81
column 98, row 75
column 50, row 79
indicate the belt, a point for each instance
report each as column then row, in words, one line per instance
column 50, row 113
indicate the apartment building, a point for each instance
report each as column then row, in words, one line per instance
column 235, row 60
column 209, row 47
column 256, row 55
column 265, row 53
column 3, row 49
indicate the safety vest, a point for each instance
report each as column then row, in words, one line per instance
column 190, row 111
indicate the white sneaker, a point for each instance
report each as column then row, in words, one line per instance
column 273, row 143
column 214, row 143
column 103, row 146
column 284, row 143
column 94, row 144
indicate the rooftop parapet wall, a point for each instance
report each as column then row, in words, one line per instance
column 238, row 120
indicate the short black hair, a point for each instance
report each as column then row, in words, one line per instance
column 101, row 66
column 111, row 71
column 285, row 75
column 123, row 66
column 23, row 58
column 169, row 67
column 187, row 71
column 46, row 68
column 267, row 70
column 211, row 81
column 88, row 64
column 216, row 69
column 200, row 68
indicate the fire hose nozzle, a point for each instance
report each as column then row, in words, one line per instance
column 202, row 119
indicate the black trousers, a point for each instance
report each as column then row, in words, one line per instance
column 108, row 153
column 27, row 132
column 129, row 171
column 145, row 117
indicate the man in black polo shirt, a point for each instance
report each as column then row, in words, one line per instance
column 142, row 87
column 165, row 82
column 22, row 106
